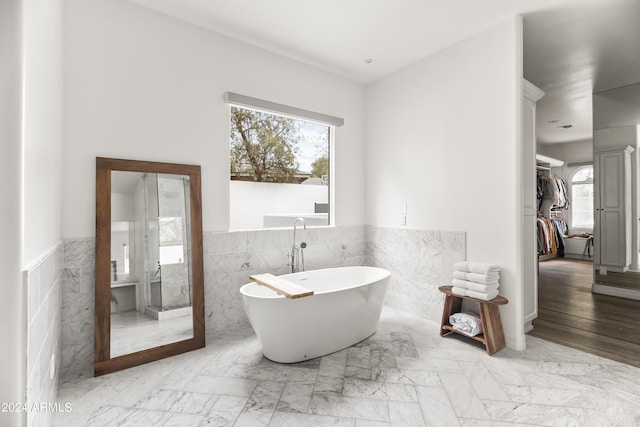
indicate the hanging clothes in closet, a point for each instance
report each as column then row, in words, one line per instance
column 552, row 188
column 551, row 234
column 542, row 183
column 560, row 196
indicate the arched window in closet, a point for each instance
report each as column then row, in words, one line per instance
column 582, row 197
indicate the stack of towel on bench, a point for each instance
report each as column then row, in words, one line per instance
column 476, row 280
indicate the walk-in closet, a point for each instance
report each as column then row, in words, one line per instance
column 587, row 244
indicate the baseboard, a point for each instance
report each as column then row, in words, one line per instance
column 518, row 343
column 528, row 327
column 615, row 291
column 579, row 257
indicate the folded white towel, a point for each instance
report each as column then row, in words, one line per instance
column 485, row 279
column 484, row 296
column 476, row 267
column 478, row 287
column 467, row 323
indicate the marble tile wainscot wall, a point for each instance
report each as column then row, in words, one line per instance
column 78, row 297
column 229, row 259
column 419, row 262
column 42, row 280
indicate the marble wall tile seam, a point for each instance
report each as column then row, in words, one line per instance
column 52, row 289
column 48, row 254
column 35, row 279
column 43, row 310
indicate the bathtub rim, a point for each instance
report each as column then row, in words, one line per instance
column 275, row 295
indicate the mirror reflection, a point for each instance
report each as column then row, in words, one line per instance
column 151, row 277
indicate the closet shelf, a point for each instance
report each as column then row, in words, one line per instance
column 554, row 163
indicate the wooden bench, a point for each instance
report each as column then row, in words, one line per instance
column 281, row 286
column 492, row 336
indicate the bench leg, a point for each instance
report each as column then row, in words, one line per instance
column 451, row 305
column 492, row 327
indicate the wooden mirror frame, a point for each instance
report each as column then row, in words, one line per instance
column 103, row 363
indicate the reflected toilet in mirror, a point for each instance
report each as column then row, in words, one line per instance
column 149, row 282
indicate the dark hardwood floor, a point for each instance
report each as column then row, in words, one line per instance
column 569, row 314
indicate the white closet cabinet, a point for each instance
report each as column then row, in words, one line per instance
column 529, row 203
column 612, row 205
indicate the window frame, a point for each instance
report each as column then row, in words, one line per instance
column 574, row 183
column 294, row 113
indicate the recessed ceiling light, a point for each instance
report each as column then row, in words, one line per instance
column 368, row 60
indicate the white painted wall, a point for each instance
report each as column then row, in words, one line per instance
column 12, row 316
column 442, row 137
column 42, row 127
column 141, row 85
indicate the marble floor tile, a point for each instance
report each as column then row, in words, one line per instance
column 261, row 404
column 483, row 383
column 222, row 385
column 355, row 387
column 296, row 397
column 142, row 418
column 357, row 372
column 403, row 375
column 404, row 414
column 225, row 411
column 275, row 372
column 104, row 416
column 436, row 407
column 403, row 344
column 350, row 407
column 368, row 423
column 466, row 422
column 383, row 354
column 422, row 364
column 182, row 420
column 291, row 419
column 543, row 415
column 359, row 357
column 463, row 397
column 329, row 385
column 332, row 366
column 194, row 403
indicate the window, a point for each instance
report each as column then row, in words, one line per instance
column 279, row 169
column 582, row 198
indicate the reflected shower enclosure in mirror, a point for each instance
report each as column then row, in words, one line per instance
column 149, row 273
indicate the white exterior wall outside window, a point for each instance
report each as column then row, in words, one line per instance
column 582, row 198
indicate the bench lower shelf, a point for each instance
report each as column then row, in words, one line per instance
column 479, row 338
column 492, row 336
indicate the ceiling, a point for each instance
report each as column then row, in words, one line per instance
column 571, row 52
column 571, row 47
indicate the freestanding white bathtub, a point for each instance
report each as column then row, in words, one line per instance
column 344, row 310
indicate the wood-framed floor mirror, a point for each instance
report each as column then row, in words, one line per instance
column 149, row 294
